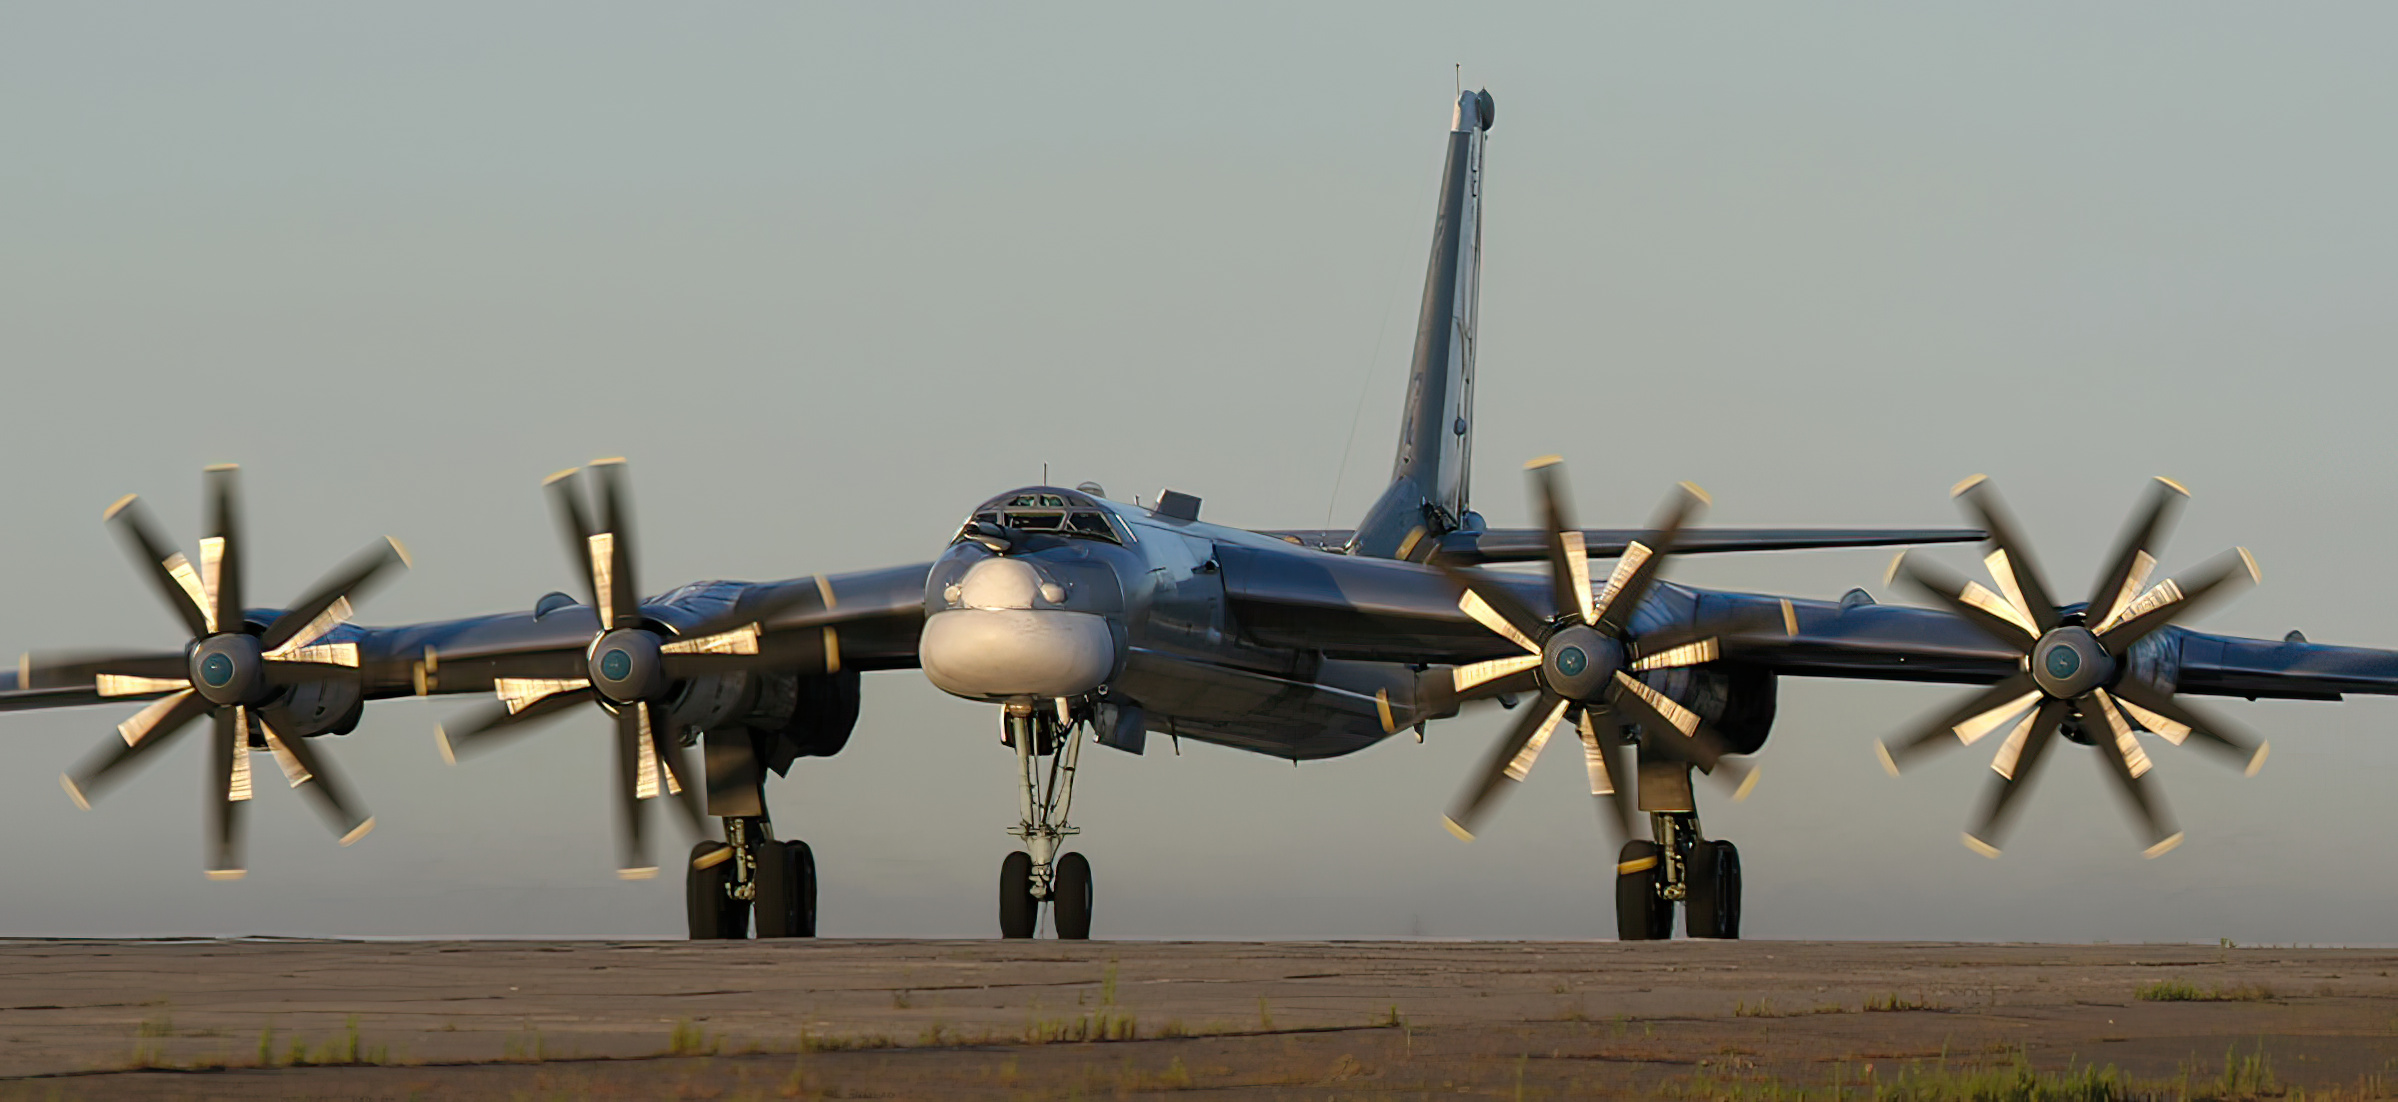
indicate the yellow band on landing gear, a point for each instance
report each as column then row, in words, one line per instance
column 1627, row 868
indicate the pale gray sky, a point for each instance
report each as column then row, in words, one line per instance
column 830, row 275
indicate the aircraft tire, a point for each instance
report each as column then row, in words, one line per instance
column 786, row 903
column 1642, row 913
column 1071, row 900
column 1711, row 907
column 711, row 911
column 1019, row 912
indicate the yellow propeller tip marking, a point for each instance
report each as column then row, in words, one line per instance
column 213, row 468
column 25, row 670
column 1889, row 764
column 117, row 506
column 1980, row 847
column 1544, row 461
column 2176, row 487
column 649, row 873
column 611, row 461
column 2162, row 848
column 2258, row 761
column 1695, row 491
column 227, row 874
column 713, row 858
column 400, row 549
column 74, row 793
column 449, row 755
column 2248, row 560
column 1463, row 835
column 1890, row 573
column 1960, row 488
column 560, row 474
column 1789, row 617
column 1637, row 864
column 1748, row 784
column 360, row 831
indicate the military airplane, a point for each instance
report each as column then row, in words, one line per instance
column 1086, row 619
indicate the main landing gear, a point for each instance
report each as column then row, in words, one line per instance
column 1680, row 866
column 750, row 875
column 1045, row 793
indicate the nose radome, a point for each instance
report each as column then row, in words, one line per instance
column 999, row 583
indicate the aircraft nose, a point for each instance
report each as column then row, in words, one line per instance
column 998, row 583
column 996, row 644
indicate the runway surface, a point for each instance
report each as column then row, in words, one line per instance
column 989, row 1019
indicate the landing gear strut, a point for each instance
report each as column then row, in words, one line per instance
column 1679, row 866
column 750, row 872
column 1044, row 795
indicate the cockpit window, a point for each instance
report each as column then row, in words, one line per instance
column 1049, row 513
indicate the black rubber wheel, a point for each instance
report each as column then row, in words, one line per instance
column 1642, row 913
column 708, row 905
column 786, row 903
column 1019, row 912
column 1711, row 907
column 1070, row 898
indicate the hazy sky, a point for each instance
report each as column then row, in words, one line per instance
column 830, row 275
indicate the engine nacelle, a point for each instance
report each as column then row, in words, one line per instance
column 1737, row 701
column 314, row 708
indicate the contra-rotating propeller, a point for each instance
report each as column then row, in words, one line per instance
column 2074, row 668
column 1583, row 659
column 232, row 670
column 629, row 666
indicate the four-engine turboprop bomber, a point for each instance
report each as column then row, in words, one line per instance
column 1081, row 618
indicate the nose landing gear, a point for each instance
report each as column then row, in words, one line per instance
column 1045, row 795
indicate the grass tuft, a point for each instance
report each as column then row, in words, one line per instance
column 2181, row 991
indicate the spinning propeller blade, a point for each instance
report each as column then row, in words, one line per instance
column 2076, row 680
column 232, row 670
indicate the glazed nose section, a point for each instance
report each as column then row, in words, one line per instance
column 998, row 644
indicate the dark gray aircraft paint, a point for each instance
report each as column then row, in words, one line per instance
column 1084, row 619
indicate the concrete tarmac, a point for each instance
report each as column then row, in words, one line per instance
column 991, row 1019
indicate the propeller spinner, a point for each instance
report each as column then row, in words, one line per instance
column 1583, row 659
column 230, row 670
column 2073, row 666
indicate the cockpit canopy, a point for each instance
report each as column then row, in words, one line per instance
column 1048, row 510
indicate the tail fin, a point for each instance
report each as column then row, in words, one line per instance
column 1427, row 494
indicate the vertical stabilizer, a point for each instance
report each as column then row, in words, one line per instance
column 1427, row 494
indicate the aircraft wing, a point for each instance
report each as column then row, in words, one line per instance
column 867, row 620
column 1380, row 610
column 1497, row 545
